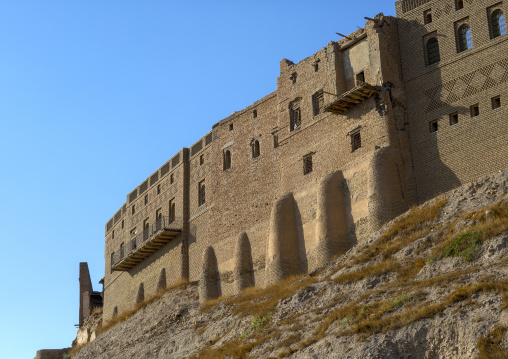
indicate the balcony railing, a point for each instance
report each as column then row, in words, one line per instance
column 145, row 243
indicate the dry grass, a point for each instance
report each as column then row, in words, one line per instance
column 489, row 346
column 258, row 301
column 123, row 316
column 365, row 316
column 417, row 223
column 75, row 350
column 482, row 228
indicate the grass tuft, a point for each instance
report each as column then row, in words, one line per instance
column 489, row 346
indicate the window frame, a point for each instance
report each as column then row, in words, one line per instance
column 433, row 54
column 307, row 164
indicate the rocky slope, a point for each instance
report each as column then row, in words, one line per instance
column 430, row 284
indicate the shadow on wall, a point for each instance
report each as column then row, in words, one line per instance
column 431, row 114
column 302, row 251
column 351, row 227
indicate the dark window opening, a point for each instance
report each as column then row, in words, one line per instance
column 231, row 127
column 115, row 312
column 474, row 110
column 459, row 4
column 275, row 140
column 356, row 141
column 113, row 234
column 133, row 208
column 133, row 232
column 146, row 199
column 123, row 223
column 307, row 164
column 112, row 260
column 201, row 195
column 496, row 102
column 171, row 179
column 227, row 160
column 201, row 159
column 465, row 39
column 121, row 251
column 359, row 78
column 316, row 66
column 293, row 77
column 433, row 126
column 158, row 214
column 295, row 116
column 255, row 113
column 172, row 210
column 318, row 101
column 498, row 24
column 158, row 189
column 427, row 17
column 433, row 55
column 255, row 149
column 454, row 118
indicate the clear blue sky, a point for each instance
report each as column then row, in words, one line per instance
column 95, row 96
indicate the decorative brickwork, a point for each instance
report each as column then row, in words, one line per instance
column 385, row 118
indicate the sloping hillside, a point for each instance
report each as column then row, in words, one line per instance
column 430, row 284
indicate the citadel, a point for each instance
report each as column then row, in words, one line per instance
column 388, row 117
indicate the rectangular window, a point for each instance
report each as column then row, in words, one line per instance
column 171, row 179
column 158, row 189
column 356, row 140
column 158, row 214
column 172, row 210
column 201, row 159
column 121, row 251
column 307, row 164
column 201, row 194
column 318, row 100
column 133, row 209
column 275, row 140
column 454, row 118
column 474, row 110
column 146, row 199
column 295, row 115
column 359, row 78
column 254, row 113
column 231, row 127
column 433, row 126
column 123, row 223
column 496, row 102
column 113, row 234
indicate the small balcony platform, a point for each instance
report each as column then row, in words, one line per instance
column 351, row 98
column 145, row 243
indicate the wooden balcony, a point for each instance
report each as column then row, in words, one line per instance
column 145, row 243
column 352, row 98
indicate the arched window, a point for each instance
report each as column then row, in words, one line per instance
column 255, row 149
column 498, row 24
column 428, row 18
column 433, row 51
column 227, row 160
column 465, row 38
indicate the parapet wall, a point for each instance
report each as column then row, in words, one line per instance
column 305, row 173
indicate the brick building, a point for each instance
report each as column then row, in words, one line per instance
column 389, row 116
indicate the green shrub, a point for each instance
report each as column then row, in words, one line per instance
column 400, row 301
column 466, row 245
column 256, row 323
